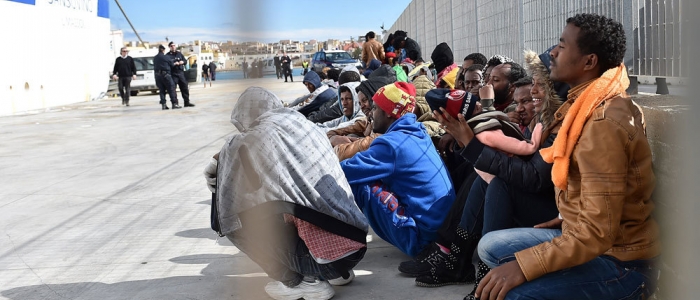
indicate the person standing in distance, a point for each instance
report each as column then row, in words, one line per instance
column 178, row 73
column 245, row 69
column 212, row 71
column 124, row 71
column 286, row 66
column 164, row 80
column 205, row 75
column 278, row 65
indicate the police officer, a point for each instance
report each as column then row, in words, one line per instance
column 286, row 66
column 178, row 73
column 161, row 67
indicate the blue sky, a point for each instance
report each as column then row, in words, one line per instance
column 253, row 20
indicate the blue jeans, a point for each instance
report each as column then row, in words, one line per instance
column 389, row 219
column 495, row 206
column 604, row 277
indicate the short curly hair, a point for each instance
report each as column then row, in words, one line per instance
column 477, row 58
column 348, row 76
column 517, row 72
column 601, row 36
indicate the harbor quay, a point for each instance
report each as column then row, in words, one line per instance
column 109, row 202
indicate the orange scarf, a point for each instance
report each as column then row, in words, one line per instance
column 611, row 84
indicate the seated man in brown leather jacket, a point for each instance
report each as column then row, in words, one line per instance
column 605, row 243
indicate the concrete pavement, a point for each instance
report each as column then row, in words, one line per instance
column 101, row 201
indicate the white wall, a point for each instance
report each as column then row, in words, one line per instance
column 57, row 55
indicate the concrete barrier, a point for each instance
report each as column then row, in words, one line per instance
column 664, row 116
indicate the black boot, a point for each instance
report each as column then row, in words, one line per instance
column 460, row 270
column 418, row 266
column 482, row 270
column 127, row 102
column 165, row 106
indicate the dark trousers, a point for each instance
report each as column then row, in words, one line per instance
column 213, row 74
column 124, row 88
column 245, row 72
column 165, row 84
column 495, row 206
column 277, row 248
column 288, row 72
column 278, row 71
column 446, row 233
column 306, row 70
column 180, row 80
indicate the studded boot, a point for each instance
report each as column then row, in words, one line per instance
column 481, row 271
column 459, row 270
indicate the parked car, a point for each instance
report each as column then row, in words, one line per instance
column 333, row 59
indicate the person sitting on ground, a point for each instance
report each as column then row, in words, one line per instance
column 400, row 72
column 332, row 109
column 411, row 47
column 473, row 79
column 492, row 203
column 333, row 75
column 474, row 59
column 419, row 70
column 350, row 107
column 300, row 225
column 605, row 237
column 446, row 68
column 320, row 94
column 373, row 65
column 400, row 183
column 349, row 140
column 546, row 94
column 493, row 129
column 462, row 173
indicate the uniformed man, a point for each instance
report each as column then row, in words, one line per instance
column 286, row 66
column 178, row 73
column 305, row 65
column 161, row 67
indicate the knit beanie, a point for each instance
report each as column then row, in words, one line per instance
column 396, row 99
column 442, row 57
column 453, row 101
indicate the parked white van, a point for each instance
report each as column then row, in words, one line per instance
column 145, row 79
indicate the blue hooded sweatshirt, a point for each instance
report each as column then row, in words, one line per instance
column 405, row 160
column 321, row 99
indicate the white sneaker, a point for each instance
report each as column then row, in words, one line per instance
column 341, row 280
column 319, row 290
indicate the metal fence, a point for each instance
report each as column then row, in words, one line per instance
column 654, row 28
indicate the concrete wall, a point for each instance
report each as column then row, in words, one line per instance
column 508, row 27
column 666, row 117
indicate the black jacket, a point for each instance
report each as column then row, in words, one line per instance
column 412, row 49
column 162, row 63
column 124, row 67
column 328, row 111
column 176, row 57
column 533, row 175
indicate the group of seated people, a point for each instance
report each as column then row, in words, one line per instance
column 544, row 171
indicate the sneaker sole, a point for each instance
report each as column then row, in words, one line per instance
column 430, row 285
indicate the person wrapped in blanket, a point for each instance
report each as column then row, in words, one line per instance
column 282, row 199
